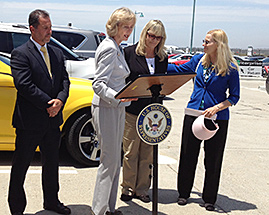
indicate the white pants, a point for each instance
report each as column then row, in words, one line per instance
column 109, row 125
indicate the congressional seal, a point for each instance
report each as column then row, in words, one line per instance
column 153, row 124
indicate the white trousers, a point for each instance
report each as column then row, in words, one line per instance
column 109, row 125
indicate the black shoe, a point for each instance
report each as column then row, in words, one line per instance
column 182, row 201
column 209, row 207
column 18, row 213
column 143, row 198
column 116, row 212
column 60, row 208
column 126, row 198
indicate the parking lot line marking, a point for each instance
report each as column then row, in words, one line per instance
column 253, row 89
column 166, row 160
column 39, row 171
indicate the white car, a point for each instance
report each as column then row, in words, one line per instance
column 179, row 57
column 81, row 69
column 14, row 35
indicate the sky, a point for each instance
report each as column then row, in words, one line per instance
column 246, row 22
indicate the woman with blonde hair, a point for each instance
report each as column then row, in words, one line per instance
column 108, row 113
column 146, row 57
column 216, row 88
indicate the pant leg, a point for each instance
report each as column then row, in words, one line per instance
column 26, row 143
column 49, row 149
column 131, row 144
column 214, row 149
column 144, row 168
column 120, row 130
column 109, row 124
column 137, row 159
column 190, row 148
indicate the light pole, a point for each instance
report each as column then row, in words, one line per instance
column 141, row 15
column 192, row 25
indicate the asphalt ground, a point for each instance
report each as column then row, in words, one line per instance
column 244, row 185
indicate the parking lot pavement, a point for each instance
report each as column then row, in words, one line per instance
column 244, row 186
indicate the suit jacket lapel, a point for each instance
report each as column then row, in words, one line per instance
column 35, row 52
column 120, row 54
column 142, row 61
column 157, row 65
column 122, row 60
column 121, row 57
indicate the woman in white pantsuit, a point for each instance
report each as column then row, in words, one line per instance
column 109, row 113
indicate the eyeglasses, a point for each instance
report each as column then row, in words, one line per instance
column 154, row 37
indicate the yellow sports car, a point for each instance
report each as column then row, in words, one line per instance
column 77, row 130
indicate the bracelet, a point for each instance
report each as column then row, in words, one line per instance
column 218, row 106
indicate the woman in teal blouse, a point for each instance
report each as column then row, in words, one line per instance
column 216, row 87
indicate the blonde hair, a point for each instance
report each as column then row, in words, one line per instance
column 224, row 54
column 122, row 15
column 157, row 28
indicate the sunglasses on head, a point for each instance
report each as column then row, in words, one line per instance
column 154, row 37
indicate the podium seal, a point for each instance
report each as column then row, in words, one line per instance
column 153, row 124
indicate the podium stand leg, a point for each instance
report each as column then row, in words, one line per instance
column 155, row 180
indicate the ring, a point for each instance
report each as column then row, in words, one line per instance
column 53, row 112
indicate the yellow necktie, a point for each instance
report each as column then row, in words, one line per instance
column 47, row 60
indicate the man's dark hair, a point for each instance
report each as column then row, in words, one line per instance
column 34, row 17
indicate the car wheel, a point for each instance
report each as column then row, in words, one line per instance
column 264, row 75
column 267, row 84
column 82, row 142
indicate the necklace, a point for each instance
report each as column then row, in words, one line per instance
column 151, row 65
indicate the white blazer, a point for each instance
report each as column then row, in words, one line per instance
column 111, row 70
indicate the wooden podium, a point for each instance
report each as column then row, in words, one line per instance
column 154, row 86
column 140, row 87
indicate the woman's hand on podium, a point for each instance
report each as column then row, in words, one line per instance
column 129, row 100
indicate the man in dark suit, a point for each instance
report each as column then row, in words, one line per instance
column 42, row 85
